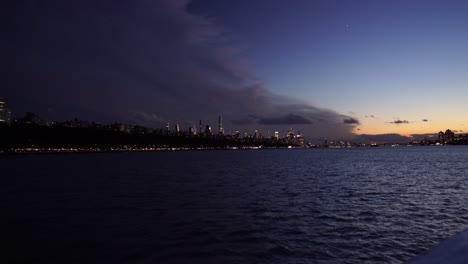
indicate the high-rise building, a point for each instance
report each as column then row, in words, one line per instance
column 177, row 128
column 5, row 113
column 298, row 134
column 191, row 131
column 290, row 134
column 220, row 123
column 200, row 128
column 449, row 136
column 441, row 137
column 168, row 128
column 208, row 130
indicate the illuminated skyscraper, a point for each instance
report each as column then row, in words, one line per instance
column 220, row 122
column 177, row 128
column 5, row 113
column 208, row 130
column 298, row 135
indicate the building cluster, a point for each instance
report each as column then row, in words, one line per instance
column 447, row 137
column 205, row 132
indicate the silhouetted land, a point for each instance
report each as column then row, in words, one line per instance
column 33, row 136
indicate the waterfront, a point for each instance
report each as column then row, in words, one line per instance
column 357, row 205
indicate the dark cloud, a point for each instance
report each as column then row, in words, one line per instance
column 290, row 119
column 144, row 62
column 425, row 120
column 244, row 121
column 399, row 122
column 350, row 121
column 370, row 116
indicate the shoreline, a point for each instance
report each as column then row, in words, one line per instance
column 40, row 151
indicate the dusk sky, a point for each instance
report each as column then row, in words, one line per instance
column 327, row 68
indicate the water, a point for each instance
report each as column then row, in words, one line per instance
column 363, row 205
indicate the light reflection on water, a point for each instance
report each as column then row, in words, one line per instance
column 259, row 206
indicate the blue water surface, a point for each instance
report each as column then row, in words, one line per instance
column 357, row 205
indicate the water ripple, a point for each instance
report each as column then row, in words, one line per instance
column 379, row 205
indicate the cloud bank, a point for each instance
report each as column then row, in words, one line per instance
column 399, row 122
column 350, row 120
column 144, row 62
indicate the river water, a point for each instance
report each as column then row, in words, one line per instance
column 358, row 205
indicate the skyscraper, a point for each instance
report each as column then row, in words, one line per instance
column 208, row 130
column 449, row 136
column 5, row 113
column 200, row 128
column 441, row 137
column 220, row 122
column 191, row 131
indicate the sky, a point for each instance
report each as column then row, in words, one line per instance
column 331, row 69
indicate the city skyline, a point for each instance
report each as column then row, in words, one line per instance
column 205, row 128
column 33, row 134
column 329, row 69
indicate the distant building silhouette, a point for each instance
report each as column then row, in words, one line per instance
column 441, row 137
column 191, row 131
column 31, row 118
column 290, row 134
column 449, row 136
column 446, row 137
column 208, row 130
column 5, row 113
column 200, row 127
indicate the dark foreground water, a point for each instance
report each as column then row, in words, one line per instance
column 374, row 205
